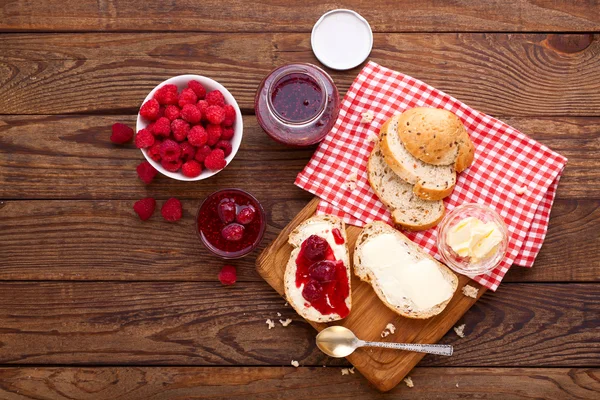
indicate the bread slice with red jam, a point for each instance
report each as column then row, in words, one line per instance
column 317, row 275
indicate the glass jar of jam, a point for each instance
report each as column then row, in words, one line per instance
column 297, row 104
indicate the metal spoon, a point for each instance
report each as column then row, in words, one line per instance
column 337, row 341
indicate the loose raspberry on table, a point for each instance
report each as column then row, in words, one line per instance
column 214, row 134
column 197, row 88
column 202, row 153
column 228, row 275
column 172, row 210
column 171, row 166
column 154, row 150
column 215, row 160
column 202, row 106
column 150, row 110
column 191, row 114
column 121, row 133
column 197, row 136
column 166, row 94
column 227, row 133
column 215, row 98
column 172, row 112
column 144, row 139
column 187, row 96
column 144, row 208
column 215, row 114
column 162, row 127
column 146, row 172
column 229, row 115
column 180, row 129
column 224, row 145
column 191, row 169
column 170, row 150
column 187, row 151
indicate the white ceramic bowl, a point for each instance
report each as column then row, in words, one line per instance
column 210, row 85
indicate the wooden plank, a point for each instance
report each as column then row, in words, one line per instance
column 104, row 240
column 141, row 383
column 500, row 74
column 93, row 323
column 277, row 15
column 71, row 157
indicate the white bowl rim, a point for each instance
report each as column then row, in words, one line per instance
column 229, row 99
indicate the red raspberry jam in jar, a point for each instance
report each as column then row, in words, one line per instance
column 297, row 104
column 231, row 223
column 326, row 285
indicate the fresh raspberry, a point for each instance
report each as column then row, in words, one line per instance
column 150, row 127
column 150, row 110
column 246, row 215
column 187, row 151
column 202, row 153
column 144, row 208
column 227, row 133
column 171, row 166
column 226, row 210
column 233, row 232
column 197, row 136
column 187, row 96
column 197, row 88
column 214, row 134
column 191, row 169
column 215, row 114
column 170, row 150
column 171, row 210
column 215, row 98
column 121, row 133
column 191, row 114
column 162, row 127
column 161, row 112
column 146, row 172
column 154, row 150
column 202, row 106
column 229, row 115
column 166, row 94
column 215, row 160
column 172, row 112
column 180, row 129
column 144, row 139
column 224, row 145
column 228, row 275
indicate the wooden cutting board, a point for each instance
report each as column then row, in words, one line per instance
column 383, row 367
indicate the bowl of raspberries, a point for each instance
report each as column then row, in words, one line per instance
column 189, row 127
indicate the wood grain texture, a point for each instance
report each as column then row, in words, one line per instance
column 175, row 383
column 500, row 74
column 71, row 157
column 277, row 15
column 166, row 323
column 384, row 368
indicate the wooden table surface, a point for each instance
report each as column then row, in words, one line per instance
column 95, row 304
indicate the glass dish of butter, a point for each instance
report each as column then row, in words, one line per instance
column 472, row 239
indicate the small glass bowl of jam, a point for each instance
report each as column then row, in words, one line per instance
column 231, row 223
column 297, row 104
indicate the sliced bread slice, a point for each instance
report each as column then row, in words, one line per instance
column 431, row 182
column 408, row 210
column 322, row 226
column 406, row 279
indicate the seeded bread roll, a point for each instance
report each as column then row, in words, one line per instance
column 408, row 210
column 436, row 136
column 431, row 182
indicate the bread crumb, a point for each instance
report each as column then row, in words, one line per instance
column 460, row 330
column 409, row 382
column 457, row 384
column 384, row 333
column 345, row 371
column 351, row 370
column 279, row 314
column 521, row 190
column 270, row 323
column 286, row 322
column 286, row 304
column 351, row 185
column 389, row 328
column 295, row 363
column 367, row 117
column 470, row 291
column 372, row 137
column 351, row 180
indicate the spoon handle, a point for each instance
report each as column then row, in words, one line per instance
column 439, row 349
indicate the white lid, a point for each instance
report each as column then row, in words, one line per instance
column 342, row 39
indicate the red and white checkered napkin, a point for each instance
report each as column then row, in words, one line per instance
column 504, row 160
